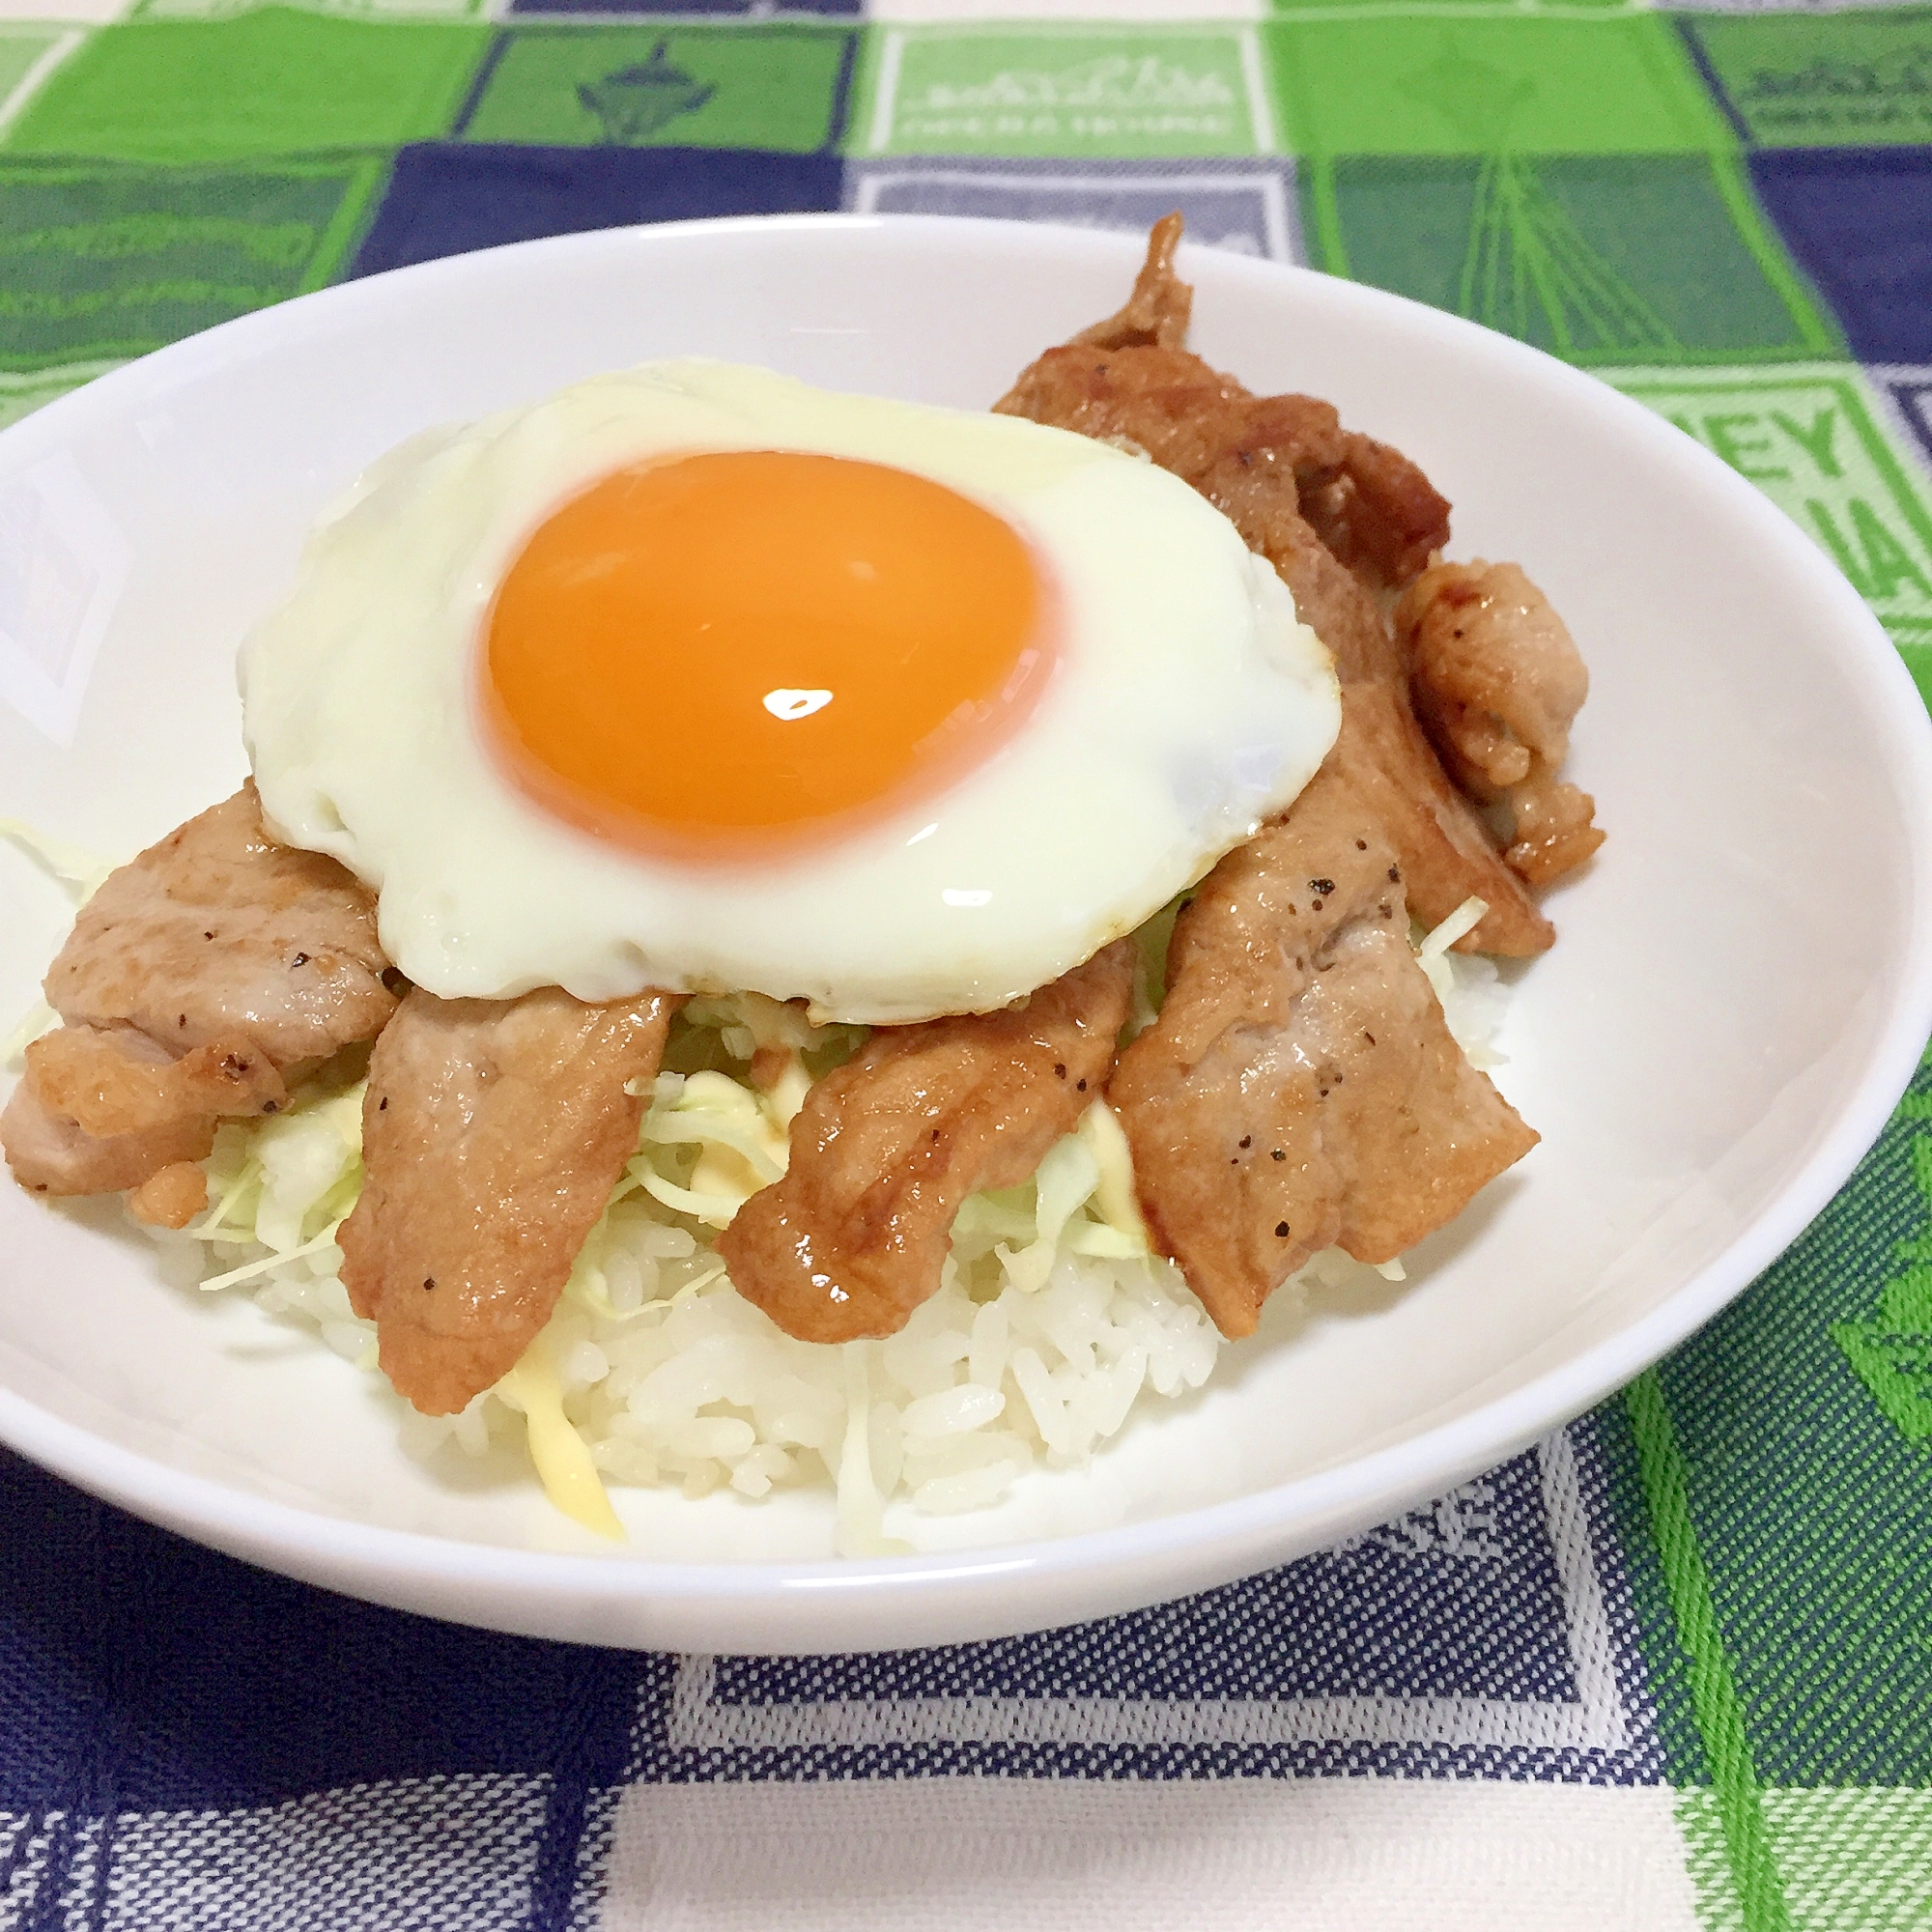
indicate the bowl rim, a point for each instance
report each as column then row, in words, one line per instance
column 297, row 1539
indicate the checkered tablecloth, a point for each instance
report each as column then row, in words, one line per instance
column 1673, row 1668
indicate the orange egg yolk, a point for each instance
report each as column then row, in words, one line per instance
column 742, row 650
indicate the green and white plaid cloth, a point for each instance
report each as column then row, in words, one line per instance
column 1672, row 1668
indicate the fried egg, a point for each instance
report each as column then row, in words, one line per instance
column 695, row 676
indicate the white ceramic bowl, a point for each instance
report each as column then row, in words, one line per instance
column 1740, row 991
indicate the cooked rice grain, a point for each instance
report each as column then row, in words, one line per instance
column 1052, row 1324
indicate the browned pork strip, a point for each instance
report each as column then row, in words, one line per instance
column 1446, row 850
column 493, row 1133
column 191, row 979
column 1171, row 404
column 1556, row 829
column 1371, row 507
column 888, row 1145
column 1251, row 457
column 1158, row 309
column 218, row 932
column 1497, row 682
column 172, row 1196
column 1300, row 1086
column 1241, row 452
column 1368, row 503
column 1378, row 513
column 120, row 1082
column 51, row 1154
column 101, row 1109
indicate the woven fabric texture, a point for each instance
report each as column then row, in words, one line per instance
column 1672, row 1666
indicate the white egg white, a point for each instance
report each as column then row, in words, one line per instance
column 1189, row 704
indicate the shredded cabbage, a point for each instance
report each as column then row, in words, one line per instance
column 80, row 874
column 1053, row 1315
column 1468, row 989
column 278, row 1192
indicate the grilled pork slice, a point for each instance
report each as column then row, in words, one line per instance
column 887, row 1146
column 101, row 1109
column 1368, row 503
column 1239, row 453
column 493, row 1133
column 1300, row 1086
column 1347, row 523
column 219, row 932
column 1252, row 456
column 122, row 1083
column 1497, row 682
column 172, row 1196
column 1158, row 310
column 1444, row 849
column 192, row 980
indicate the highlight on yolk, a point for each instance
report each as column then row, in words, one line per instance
column 742, row 650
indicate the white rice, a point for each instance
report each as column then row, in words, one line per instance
column 1053, row 1324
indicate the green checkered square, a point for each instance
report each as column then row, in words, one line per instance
column 100, row 265
column 1813, row 443
column 1561, row 10
column 771, row 87
column 29, row 55
column 1831, row 80
column 1598, row 258
column 23, row 393
column 1853, row 1861
column 1449, row 85
column 270, row 82
column 1809, row 1503
column 353, row 10
column 1772, row 1508
column 1066, row 93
